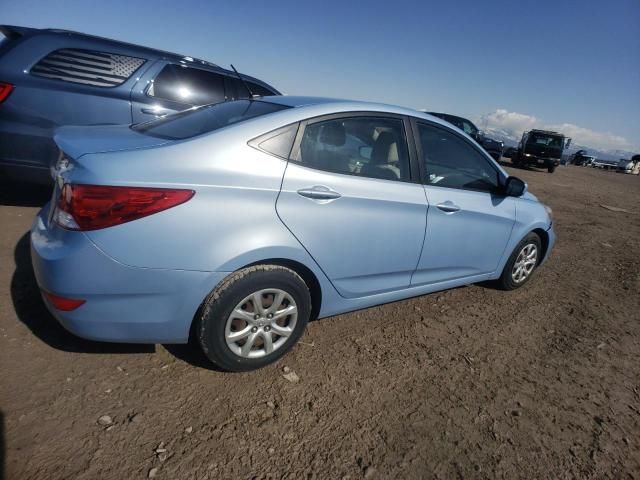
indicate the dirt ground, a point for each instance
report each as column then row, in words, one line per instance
column 543, row 382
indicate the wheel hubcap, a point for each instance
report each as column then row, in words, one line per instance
column 261, row 323
column 525, row 263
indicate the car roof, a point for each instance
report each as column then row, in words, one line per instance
column 338, row 105
column 13, row 32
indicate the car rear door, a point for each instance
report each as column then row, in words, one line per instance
column 469, row 222
column 348, row 196
column 169, row 87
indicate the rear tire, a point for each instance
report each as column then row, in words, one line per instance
column 522, row 263
column 240, row 327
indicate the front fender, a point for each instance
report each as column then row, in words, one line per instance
column 530, row 216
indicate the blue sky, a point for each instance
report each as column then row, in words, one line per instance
column 507, row 64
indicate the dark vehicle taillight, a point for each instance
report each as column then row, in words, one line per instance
column 5, row 90
column 91, row 207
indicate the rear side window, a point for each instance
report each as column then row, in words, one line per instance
column 189, row 123
column 188, row 85
column 259, row 89
column 364, row 146
column 237, row 89
column 278, row 143
column 87, row 67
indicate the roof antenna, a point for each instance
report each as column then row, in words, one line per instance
column 246, row 85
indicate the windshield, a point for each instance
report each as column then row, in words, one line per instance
column 546, row 140
column 196, row 121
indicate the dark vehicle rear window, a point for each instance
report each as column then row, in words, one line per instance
column 87, row 67
column 197, row 121
column 236, row 89
column 259, row 89
column 188, row 85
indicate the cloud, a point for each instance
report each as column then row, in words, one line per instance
column 512, row 124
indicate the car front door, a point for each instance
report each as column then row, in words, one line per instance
column 348, row 197
column 469, row 222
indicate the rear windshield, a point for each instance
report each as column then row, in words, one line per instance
column 196, row 121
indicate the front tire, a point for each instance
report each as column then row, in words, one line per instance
column 253, row 317
column 551, row 168
column 522, row 263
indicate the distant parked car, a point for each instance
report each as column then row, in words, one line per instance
column 582, row 158
column 245, row 219
column 50, row 78
column 493, row 147
column 631, row 167
column 509, row 152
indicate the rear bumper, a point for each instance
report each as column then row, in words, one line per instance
column 123, row 303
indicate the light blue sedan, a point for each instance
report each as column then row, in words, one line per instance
column 238, row 222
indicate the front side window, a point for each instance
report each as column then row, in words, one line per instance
column 363, row 146
column 450, row 161
column 196, row 121
column 546, row 140
column 187, row 85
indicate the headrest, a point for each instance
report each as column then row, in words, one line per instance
column 385, row 150
column 333, row 133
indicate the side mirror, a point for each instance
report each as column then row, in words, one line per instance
column 514, row 187
column 567, row 142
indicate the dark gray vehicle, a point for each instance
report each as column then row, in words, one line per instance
column 50, row 78
column 540, row 148
column 493, row 147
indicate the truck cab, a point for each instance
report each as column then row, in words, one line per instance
column 541, row 148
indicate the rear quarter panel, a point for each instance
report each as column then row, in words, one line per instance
column 231, row 221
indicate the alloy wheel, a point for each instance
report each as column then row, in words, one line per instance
column 525, row 263
column 261, row 323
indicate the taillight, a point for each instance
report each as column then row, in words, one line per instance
column 90, row 207
column 5, row 90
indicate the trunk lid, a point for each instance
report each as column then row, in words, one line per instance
column 77, row 141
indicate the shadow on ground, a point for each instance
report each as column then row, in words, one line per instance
column 24, row 194
column 31, row 311
column 3, row 446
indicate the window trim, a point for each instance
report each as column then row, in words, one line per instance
column 406, row 125
column 415, row 123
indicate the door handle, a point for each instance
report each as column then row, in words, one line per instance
column 448, row 207
column 155, row 111
column 319, row 192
